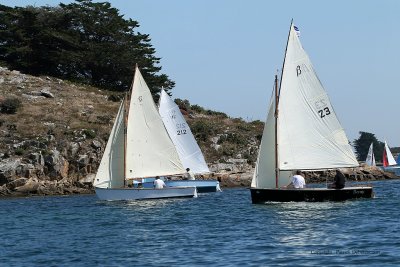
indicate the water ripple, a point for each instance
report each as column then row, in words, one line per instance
column 219, row 229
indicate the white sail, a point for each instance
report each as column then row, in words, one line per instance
column 310, row 136
column 309, row 133
column 111, row 169
column 370, row 160
column 264, row 174
column 149, row 150
column 188, row 150
column 388, row 159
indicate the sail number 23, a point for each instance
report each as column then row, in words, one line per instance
column 324, row 112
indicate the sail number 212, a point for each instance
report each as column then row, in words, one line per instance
column 180, row 132
column 324, row 112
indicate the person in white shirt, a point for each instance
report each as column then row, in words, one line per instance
column 189, row 175
column 158, row 183
column 297, row 181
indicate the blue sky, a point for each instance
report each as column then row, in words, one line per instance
column 223, row 54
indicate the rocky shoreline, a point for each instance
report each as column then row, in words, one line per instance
column 26, row 187
column 359, row 174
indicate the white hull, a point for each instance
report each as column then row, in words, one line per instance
column 144, row 193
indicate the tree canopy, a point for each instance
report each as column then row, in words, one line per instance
column 361, row 146
column 83, row 41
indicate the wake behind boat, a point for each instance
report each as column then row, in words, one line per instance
column 138, row 147
column 301, row 132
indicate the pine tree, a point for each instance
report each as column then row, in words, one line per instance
column 362, row 144
column 83, row 41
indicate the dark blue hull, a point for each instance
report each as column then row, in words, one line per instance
column 263, row 195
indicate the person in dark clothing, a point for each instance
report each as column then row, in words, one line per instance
column 339, row 181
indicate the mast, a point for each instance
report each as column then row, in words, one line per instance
column 276, row 133
column 126, row 107
column 277, row 94
column 125, row 133
column 284, row 59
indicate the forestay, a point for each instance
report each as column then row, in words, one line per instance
column 111, row 169
column 149, row 150
column 309, row 134
column 188, row 150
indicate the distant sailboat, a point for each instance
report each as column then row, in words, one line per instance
column 188, row 150
column 370, row 160
column 301, row 132
column 388, row 159
column 144, row 151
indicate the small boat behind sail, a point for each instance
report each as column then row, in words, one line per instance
column 138, row 147
column 370, row 160
column 188, row 150
column 301, row 132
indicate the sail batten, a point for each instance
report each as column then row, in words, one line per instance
column 179, row 131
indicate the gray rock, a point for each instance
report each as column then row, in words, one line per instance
column 4, row 191
column 7, row 169
column 53, row 158
column 73, row 148
column 17, row 183
column 31, row 97
column 30, row 186
column 83, row 160
column 88, row 179
column 15, row 72
column 96, row 144
column 35, row 93
column 46, row 93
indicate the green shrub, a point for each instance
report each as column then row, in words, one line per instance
column 10, row 105
column 19, row 151
column 216, row 113
column 202, row 130
column 182, row 104
column 197, row 109
column 115, row 98
column 89, row 133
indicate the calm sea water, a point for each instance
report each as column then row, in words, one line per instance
column 216, row 229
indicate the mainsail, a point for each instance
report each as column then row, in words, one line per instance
column 388, row 159
column 370, row 160
column 111, row 169
column 310, row 136
column 149, row 149
column 188, row 150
